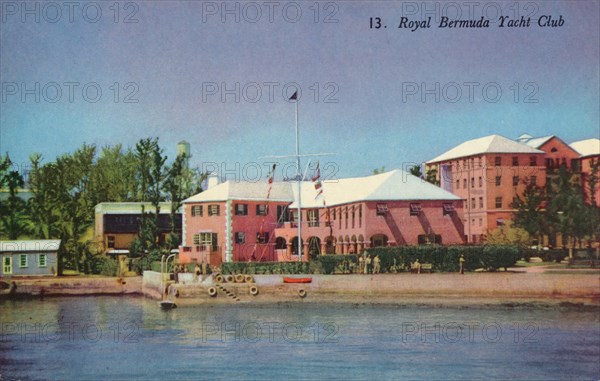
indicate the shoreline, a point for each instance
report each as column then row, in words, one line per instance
column 506, row 289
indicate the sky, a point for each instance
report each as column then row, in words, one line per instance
column 219, row 75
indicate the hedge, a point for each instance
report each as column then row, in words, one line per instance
column 554, row 255
column 446, row 258
column 267, row 268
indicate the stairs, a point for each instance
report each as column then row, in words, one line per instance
column 231, row 294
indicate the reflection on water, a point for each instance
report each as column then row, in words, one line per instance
column 131, row 338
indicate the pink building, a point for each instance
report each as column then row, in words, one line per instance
column 589, row 150
column 488, row 173
column 235, row 221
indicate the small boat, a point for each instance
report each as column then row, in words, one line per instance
column 167, row 305
column 296, row 280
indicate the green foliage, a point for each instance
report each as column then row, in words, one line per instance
column 446, row 258
column 507, row 234
column 13, row 209
column 554, row 255
column 106, row 266
column 343, row 263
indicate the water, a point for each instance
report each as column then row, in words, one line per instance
column 131, row 338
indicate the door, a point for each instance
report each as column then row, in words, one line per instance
column 7, row 265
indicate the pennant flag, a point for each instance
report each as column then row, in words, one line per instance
column 272, row 174
column 317, row 175
column 318, row 185
column 294, row 96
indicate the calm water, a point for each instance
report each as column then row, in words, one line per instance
column 131, row 338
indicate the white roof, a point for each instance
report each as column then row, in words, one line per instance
column 393, row 185
column 588, row 147
column 33, row 245
column 130, row 207
column 535, row 142
column 487, row 144
column 388, row 186
column 243, row 190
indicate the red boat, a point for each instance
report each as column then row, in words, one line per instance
column 297, row 280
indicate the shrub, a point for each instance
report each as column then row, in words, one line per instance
column 446, row 258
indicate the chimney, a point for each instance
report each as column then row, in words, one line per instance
column 212, row 180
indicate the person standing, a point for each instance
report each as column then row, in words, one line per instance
column 461, row 263
column 196, row 272
column 361, row 265
column 376, row 264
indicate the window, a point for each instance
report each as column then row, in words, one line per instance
column 360, row 216
column 498, row 202
column 241, row 209
column 7, row 265
column 472, row 182
column 240, row 237
column 214, row 210
column 110, row 241
column 346, row 218
column 262, row 238
column 473, row 203
column 498, row 180
column 23, row 260
column 382, row 209
column 465, row 183
column 415, row 208
column 498, row 161
column 42, row 260
column 500, row 222
column 261, row 210
column 334, row 214
column 197, row 211
column 481, row 222
column 515, row 180
column 353, row 217
column 457, row 184
column 480, row 181
column 532, row 161
column 515, row 161
column 312, row 216
column 448, row 208
column 575, row 165
column 427, row 239
column 206, row 240
column 533, row 180
column 282, row 214
column 481, row 202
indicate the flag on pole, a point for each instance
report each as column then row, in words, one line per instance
column 317, row 175
column 294, row 96
column 272, row 174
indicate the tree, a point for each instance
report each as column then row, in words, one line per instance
column 378, row 171
column 508, row 234
column 431, row 176
column 13, row 210
column 150, row 164
column 529, row 214
column 415, row 170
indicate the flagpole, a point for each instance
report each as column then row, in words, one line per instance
column 299, row 180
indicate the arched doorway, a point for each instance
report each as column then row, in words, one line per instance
column 379, row 240
column 329, row 245
column 280, row 243
column 294, row 244
column 314, row 248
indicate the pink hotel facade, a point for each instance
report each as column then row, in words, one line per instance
column 235, row 221
column 489, row 172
